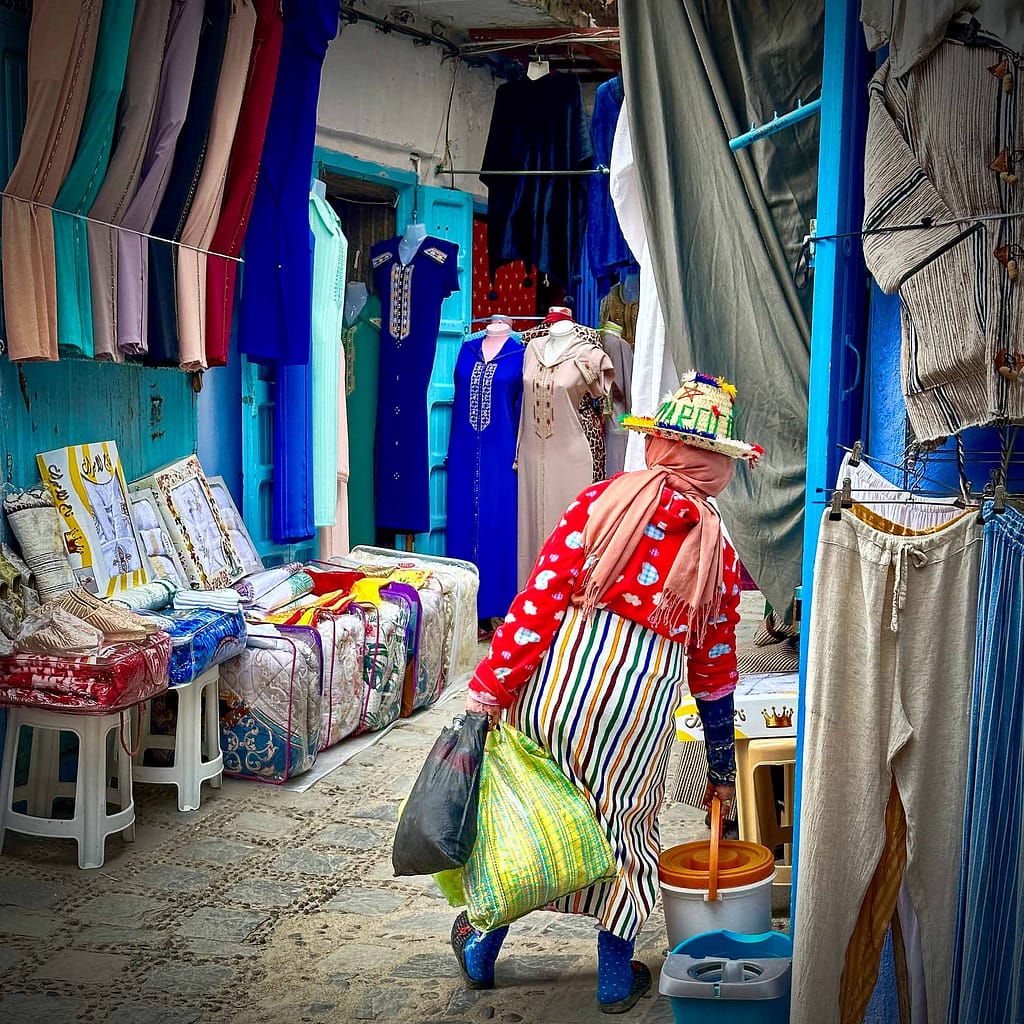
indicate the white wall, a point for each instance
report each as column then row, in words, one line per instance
column 381, row 97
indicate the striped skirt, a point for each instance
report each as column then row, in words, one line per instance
column 602, row 702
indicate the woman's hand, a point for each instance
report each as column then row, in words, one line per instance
column 725, row 792
column 492, row 711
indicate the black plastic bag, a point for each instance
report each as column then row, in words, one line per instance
column 437, row 829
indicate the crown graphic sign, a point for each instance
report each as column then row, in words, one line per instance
column 782, row 719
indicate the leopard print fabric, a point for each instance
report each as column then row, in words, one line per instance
column 592, row 422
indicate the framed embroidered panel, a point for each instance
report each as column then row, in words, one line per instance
column 194, row 524
column 156, row 542
column 96, row 522
column 232, row 519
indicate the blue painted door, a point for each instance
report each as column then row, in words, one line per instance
column 447, row 214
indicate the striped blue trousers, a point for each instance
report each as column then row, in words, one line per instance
column 988, row 966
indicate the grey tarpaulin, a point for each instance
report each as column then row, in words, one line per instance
column 725, row 229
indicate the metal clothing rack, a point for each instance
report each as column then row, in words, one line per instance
column 441, row 169
column 777, row 124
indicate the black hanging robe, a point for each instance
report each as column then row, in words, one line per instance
column 537, row 125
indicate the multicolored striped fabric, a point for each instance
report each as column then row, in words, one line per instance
column 987, row 979
column 536, row 839
column 602, row 703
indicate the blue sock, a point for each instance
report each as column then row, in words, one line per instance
column 482, row 951
column 614, row 969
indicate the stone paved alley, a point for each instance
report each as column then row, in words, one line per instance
column 277, row 905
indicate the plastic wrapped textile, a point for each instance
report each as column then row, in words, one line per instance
column 150, row 597
column 36, row 527
column 270, row 707
column 297, row 585
column 430, row 668
column 437, row 827
column 118, row 677
column 200, row 638
column 384, row 664
column 256, row 586
column 538, row 839
column 344, row 640
column 466, row 579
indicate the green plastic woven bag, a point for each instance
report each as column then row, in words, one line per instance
column 537, row 839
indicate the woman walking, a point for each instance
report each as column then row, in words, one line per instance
column 635, row 590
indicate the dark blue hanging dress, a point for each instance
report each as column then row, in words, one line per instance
column 482, row 495
column 275, row 319
column 410, row 298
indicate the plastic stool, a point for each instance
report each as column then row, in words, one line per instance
column 91, row 824
column 757, row 817
column 190, row 742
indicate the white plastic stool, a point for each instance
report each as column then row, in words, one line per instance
column 190, row 742
column 91, row 823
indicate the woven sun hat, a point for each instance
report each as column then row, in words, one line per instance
column 700, row 412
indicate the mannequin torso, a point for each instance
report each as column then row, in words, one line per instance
column 411, row 242
column 494, row 340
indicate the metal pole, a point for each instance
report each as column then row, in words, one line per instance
column 525, row 174
column 776, row 124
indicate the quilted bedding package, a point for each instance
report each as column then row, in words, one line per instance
column 119, row 676
column 270, row 706
column 200, row 638
column 343, row 638
column 384, row 665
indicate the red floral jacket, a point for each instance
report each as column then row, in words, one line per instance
column 521, row 642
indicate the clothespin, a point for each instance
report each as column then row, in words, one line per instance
column 856, row 453
column 999, row 499
column 841, row 498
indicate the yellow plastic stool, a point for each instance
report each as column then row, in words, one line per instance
column 758, row 820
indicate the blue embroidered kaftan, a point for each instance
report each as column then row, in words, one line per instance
column 411, row 295
column 482, row 496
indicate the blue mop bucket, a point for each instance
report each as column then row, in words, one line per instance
column 724, row 977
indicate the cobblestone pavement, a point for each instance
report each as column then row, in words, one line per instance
column 280, row 906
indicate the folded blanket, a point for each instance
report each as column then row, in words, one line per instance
column 226, row 600
column 259, row 584
column 150, row 597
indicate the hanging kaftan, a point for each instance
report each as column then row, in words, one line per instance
column 481, row 469
column 411, row 295
column 556, row 460
column 361, row 340
column 537, row 126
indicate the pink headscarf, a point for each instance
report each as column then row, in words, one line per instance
column 693, row 586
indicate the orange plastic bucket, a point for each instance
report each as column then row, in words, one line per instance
column 716, row 884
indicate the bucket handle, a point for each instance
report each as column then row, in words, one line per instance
column 716, row 832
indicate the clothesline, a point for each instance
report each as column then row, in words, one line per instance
column 119, row 227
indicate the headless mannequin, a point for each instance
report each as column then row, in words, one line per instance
column 560, row 336
column 494, row 340
column 411, row 242
column 319, row 188
column 356, row 295
column 610, row 327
